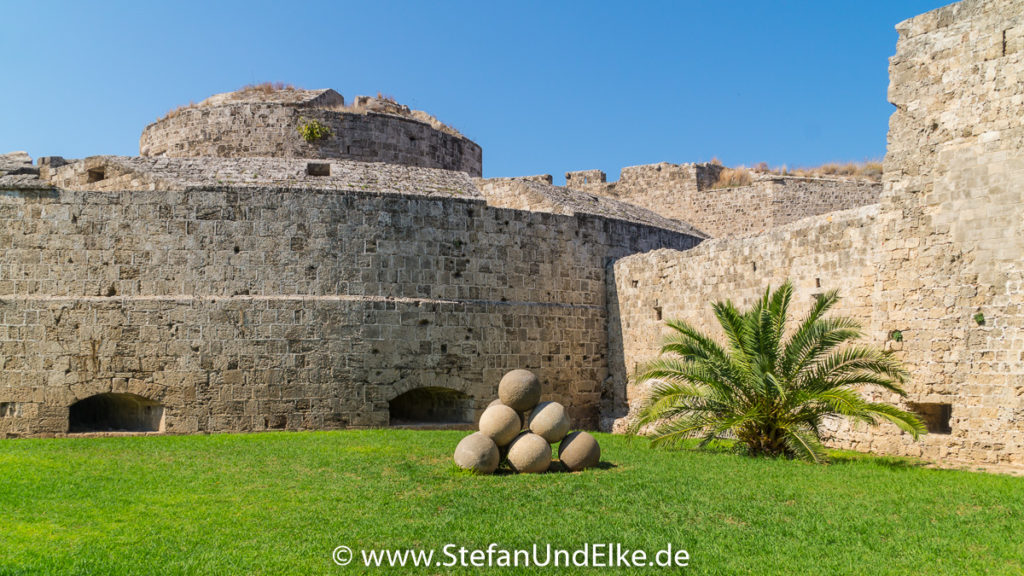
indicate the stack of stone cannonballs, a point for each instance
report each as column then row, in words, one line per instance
column 519, row 428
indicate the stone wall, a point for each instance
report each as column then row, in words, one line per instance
column 684, row 192
column 771, row 202
column 581, row 179
column 941, row 265
column 538, row 196
column 123, row 173
column 837, row 250
column 248, row 309
column 951, row 218
column 269, row 129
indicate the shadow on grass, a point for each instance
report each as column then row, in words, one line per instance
column 893, row 462
column 835, row 457
column 556, row 467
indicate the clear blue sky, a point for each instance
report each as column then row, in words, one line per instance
column 543, row 87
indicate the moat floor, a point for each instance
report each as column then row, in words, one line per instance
column 280, row 503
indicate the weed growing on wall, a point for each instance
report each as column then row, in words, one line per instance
column 313, row 130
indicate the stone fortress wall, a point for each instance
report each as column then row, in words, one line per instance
column 685, row 192
column 244, row 307
column 934, row 273
column 250, row 127
column 951, row 221
column 220, row 289
column 255, row 292
column 819, row 253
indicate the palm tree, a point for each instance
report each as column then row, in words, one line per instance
column 769, row 392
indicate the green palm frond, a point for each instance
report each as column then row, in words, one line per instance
column 681, row 371
column 771, row 393
column 804, row 445
column 812, row 342
column 907, row 421
column 853, row 360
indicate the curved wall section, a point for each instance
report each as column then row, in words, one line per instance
column 265, row 308
column 271, row 130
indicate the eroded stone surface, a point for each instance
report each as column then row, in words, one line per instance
column 500, row 423
column 529, row 454
column 520, row 390
column 579, row 451
column 266, row 124
column 684, row 192
column 477, row 452
column 550, row 421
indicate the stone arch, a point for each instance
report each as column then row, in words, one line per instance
column 116, row 412
column 414, row 381
column 431, row 405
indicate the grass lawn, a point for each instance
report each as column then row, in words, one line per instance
column 279, row 503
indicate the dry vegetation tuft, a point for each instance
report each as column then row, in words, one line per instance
column 174, row 112
column 733, row 177
column 263, row 88
column 266, row 88
column 870, row 170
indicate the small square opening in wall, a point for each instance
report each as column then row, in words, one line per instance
column 95, row 175
column 657, row 312
column 937, row 417
column 318, row 169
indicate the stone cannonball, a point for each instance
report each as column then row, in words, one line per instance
column 500, row 423
column 522, row 416
column 529, row 454
column 519, row 390
column 579, row 450
column 550, row 421
column 477, row 452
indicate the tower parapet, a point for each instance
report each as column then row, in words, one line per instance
column 258, row 122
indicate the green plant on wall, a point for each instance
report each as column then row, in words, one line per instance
column 980, row 319
column 313, row 130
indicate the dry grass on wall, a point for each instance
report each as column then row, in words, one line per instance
column 870, row 170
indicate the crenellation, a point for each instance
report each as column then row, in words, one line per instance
column 686, row 192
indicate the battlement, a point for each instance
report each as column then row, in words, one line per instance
column 687, row 192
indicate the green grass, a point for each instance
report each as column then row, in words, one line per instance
column 278, row 503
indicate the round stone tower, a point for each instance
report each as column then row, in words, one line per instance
column 285, row 122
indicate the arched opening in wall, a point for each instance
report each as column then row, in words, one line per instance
column 431, row 406
column 116, row 413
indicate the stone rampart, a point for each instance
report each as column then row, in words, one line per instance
column 936, row 277
column 952, row 277
column 685, row 192
column 837, row 250
column 256, row 308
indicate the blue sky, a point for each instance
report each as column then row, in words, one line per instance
column 543, row 87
